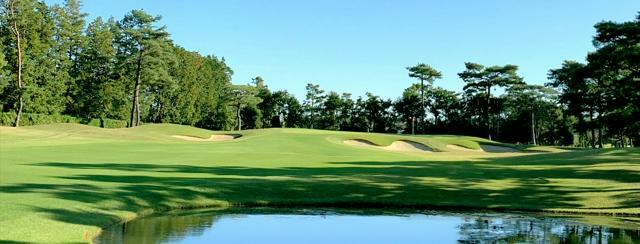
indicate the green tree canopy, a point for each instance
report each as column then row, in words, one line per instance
column 481, row 79
column 423, row 72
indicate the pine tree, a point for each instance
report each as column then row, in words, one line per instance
column 423, row 73
column 28, row 31
column 98, row 93
column 143, row 50
column 69, row 26
column 481, row 79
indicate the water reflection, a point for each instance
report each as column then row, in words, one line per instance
column 170, row 228
column 522, row 229
column 352, row 226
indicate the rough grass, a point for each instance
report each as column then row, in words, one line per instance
column 62, row 182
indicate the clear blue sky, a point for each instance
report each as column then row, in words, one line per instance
column 364, row 45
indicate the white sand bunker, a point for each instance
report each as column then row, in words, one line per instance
column 484, row 148
column 211, row 138
column 396, row 146
column 461, row 148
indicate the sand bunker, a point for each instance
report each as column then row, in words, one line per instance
column 211, row 138
column 461, row 148
column 360, row 143
column 396, row 146
column 484, row 148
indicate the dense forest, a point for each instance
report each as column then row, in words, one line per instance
column 55, row 64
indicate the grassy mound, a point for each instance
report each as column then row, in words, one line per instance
column 396, row 146
column 62, row 182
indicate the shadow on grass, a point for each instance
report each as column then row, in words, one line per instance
column 93, row 218
column 417, row 184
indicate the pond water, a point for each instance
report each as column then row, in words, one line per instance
column 380, row 226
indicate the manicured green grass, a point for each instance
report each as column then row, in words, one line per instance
column 62, row 182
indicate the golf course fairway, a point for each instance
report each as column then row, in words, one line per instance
column 63, row 182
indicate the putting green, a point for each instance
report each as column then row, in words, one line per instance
column 62, row 182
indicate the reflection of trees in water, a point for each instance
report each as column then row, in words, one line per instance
column 486, row 228
column 513, row 229
column 159, row 229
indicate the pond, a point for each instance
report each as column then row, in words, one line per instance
column 263, row 225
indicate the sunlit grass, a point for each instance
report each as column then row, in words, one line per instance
column 59, row 182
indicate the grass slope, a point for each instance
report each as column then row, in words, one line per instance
column 62, row 182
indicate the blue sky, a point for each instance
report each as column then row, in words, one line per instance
column 357, row 46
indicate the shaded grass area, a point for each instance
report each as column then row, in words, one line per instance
column 65, row 188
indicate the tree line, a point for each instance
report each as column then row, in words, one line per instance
column 53, row 62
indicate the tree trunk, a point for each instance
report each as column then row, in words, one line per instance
column 498, row 117
column 161, row 114
column 581, row 132
column 133, row 112
column 488, row 113
column 413, row 124
column 135, row 107
column 533, row 128
column 593, row 131
column 311, row 117
column 16, row 32
column 138, row 108
column 283, row 118
column 422, row 105
column 19, row 111
column 436, row 118
column 239, row 118
column 599, row 132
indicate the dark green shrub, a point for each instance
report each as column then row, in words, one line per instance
column 8, row 118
